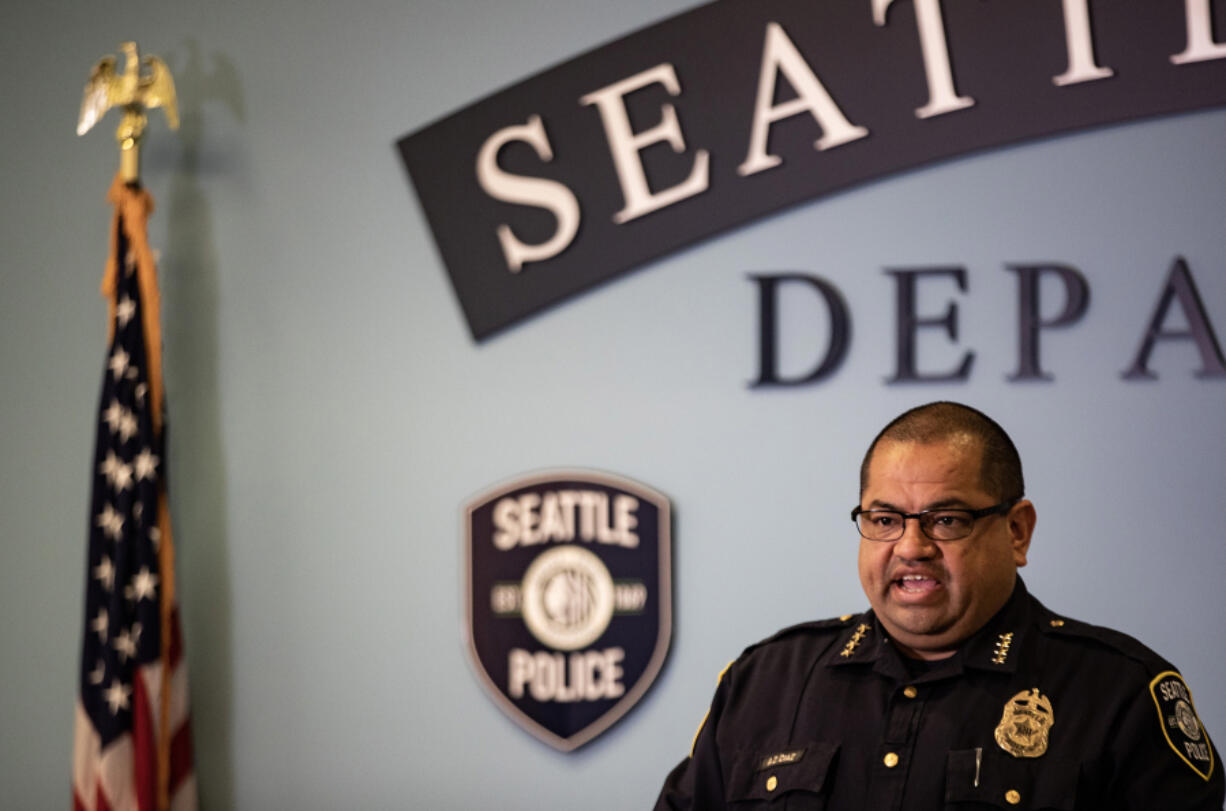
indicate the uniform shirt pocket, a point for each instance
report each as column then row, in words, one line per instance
column 988, row 778
column 761, row 776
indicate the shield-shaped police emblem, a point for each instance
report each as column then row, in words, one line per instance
column 569, row 599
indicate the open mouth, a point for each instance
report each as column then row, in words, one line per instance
column 916, row 584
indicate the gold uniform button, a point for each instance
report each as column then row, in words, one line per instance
column 1057, row 623
column 845, row 617
column 1012, row 797
column 772, row 782
column 890, row 760
column 910, row 692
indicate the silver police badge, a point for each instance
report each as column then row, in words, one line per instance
column 569, row 599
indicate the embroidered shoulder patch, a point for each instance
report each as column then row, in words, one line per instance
column 1180, row 723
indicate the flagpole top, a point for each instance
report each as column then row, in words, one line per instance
column 143, row 85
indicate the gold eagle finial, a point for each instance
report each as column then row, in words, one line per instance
column 135, row 91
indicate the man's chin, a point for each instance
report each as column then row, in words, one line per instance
column 916, row 623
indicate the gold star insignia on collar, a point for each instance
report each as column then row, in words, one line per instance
column 855, row 641
column 1001, row 652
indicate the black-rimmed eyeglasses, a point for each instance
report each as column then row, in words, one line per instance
column 937, row 525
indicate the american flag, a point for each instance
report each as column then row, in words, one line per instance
column 132, row 747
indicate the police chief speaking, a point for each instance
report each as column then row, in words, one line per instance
column 957, row 689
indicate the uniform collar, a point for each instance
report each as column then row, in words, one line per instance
column 995, row 647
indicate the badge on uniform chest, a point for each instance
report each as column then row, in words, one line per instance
column 1025, row 724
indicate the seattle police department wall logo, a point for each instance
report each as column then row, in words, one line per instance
column 569, row 600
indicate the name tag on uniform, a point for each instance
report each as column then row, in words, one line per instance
column 781, row 759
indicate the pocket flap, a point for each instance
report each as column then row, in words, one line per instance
column 766, row 773
column 990, row 777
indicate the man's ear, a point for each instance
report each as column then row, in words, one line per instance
column 1021, row 519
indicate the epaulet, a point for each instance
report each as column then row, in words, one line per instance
column 1060, row 626
column 813, row 628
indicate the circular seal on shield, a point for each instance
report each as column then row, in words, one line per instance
column 567, row 597
column 1185, row 716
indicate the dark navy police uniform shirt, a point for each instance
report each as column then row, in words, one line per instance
column 1036, row 711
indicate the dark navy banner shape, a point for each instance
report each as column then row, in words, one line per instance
column 579, row 185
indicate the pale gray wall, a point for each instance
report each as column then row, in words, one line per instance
column 330, row 413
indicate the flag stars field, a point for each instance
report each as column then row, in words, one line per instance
column 124, row 311
column 143, row 585
column 112, row 414
column 104, row 572
column 125, row 643
column 117, row 696
column 101, row 624
column 146, row 463
column 111, row 522
column 119, row 362
column 127, row 426
column 116, row 472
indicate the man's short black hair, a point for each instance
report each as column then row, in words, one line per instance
column 1000, row 471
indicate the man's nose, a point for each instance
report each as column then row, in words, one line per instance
column 914, row 544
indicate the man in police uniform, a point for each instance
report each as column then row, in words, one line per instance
column 957, row 690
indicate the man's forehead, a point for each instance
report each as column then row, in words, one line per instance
column 959, row 441
column 954, row 457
